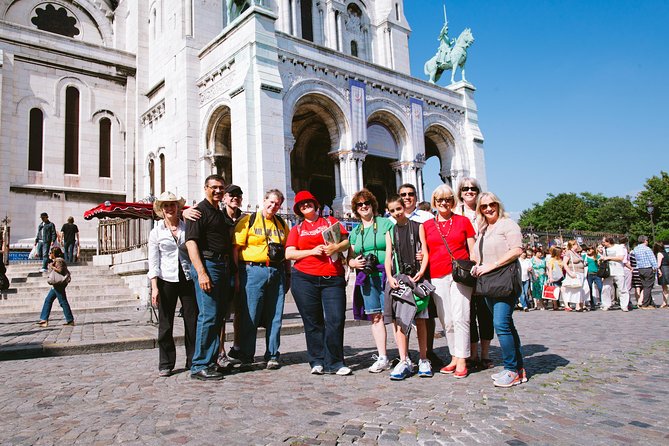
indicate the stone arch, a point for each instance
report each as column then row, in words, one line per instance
column 87, row 95
column 108, row 114
column 440, row 142
column 218, row 141
column 92, row 15
column 393, row 117
column 356, row 23
column 316, row 129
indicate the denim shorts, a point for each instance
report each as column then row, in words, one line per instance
column 372, row 294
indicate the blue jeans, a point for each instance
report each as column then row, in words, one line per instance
column 598, row 283
column 56, row 293
column 524, row 294
column 69, row 252
column 262, row 297
column 43, row 249
column 509, row 341
column 212, row 306
column 372, row 294
column 321, row 302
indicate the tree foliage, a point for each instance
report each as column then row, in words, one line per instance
column 595, row 212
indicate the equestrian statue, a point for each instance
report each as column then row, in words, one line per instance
column 450, row 55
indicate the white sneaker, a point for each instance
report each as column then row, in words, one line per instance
column 402, row 371
column 380, row 365
column 343, row 371
column 424, row 368
column 317, row 370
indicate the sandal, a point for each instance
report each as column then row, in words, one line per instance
column 486, row 364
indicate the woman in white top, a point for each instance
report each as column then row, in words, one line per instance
column 480, row 319
column 574, row 284
column 169, row 271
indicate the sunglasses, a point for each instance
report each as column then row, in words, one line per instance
column 445, row 200
column 484, row 206
column 363, row 203
column 469, row 188
column 216, row 187
column 408, row 194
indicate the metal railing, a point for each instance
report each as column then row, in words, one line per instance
column 560, row 237
column 122, row 234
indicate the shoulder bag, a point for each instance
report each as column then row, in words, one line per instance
column 57, row 279
column 462, row 269
column 556, row 272
column 603, row 270
column 504, row 281
column 569, row 281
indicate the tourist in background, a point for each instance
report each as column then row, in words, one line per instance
column 502, row 245
column 615, row 254
column 69, row 239
column 169, row 273
column 318, row 285
column 574, row 281
column 538, row 278
column 592, row 260
column 526, row 274
column 46, row 235
column 367, row 256
column 555, row 272
column 647, row 264
column 259, row 256
column 450, row 236
column 58, row 278
column 480, row 318
column 662, row 271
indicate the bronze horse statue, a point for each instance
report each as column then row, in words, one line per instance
column 450, row 58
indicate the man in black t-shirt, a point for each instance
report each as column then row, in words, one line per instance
column 210, row 250
column 69, row 234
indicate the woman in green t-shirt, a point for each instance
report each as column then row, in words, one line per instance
column 367, row 255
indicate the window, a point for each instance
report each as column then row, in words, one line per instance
column 35, row 139
column 354, row 48
column 72, row 130
column 397, row 12
column 152, row 178
column 105, row 148
column 162, row 173
column 307, row 20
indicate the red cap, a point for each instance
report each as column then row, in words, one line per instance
column 301, row 196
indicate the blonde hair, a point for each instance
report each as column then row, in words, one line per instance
column 443, row 190
column 471, row 180
column 480, row 218
column 571, row 244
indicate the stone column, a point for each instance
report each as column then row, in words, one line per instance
column 285, row 16
column 288, row 145
column 340, row 33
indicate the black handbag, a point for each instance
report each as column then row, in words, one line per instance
column 462, row 269
column 505, row 281
column 603, row 268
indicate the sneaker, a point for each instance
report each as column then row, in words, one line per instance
column 508, row 379
column 523, row 375
column 496, row 376
column 380, row 365
column 317, row 370
column 42, row 270
column 273, row 364
column 164, row 373
column 343, row 371
column 401, row 371
column 605, row 308
column 424, row 368
column 225, row 362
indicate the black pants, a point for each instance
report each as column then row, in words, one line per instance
column 169, row 292
column 479, row 311
column 647, row 276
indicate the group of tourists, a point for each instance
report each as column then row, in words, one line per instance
column 588, row 277
column 218, row 261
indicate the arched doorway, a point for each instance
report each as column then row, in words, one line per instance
column 219, row 144
column 439, row 143
column 383, row 143
column 314, row 127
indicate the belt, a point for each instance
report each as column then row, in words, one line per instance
column 264, row 264
column 211, row 255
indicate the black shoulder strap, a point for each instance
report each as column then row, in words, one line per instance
column 481, row 246
column 252, row 219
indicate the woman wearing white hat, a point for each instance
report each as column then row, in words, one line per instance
column 169, row 271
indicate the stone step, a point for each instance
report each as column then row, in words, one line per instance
column 91, row 284
column 34, row 312
column 24, row 299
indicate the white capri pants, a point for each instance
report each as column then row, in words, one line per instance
column 452, row 300
column 607, row 291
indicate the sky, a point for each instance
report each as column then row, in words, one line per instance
column 572, row 96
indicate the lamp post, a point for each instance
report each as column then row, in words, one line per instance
column 650, row 208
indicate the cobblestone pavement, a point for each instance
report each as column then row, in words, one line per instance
column 595, row 378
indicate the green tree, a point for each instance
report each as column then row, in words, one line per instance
column 656, row 190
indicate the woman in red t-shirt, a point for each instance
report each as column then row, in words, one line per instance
column 451, row 298
column 318, row 285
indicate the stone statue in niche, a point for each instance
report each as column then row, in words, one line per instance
column 237, row 7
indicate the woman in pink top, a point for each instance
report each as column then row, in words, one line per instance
column 501, row 245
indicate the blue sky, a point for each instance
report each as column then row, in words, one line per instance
column 572, row 95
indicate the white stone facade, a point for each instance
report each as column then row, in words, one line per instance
column 270, row 93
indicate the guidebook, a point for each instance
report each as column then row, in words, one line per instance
column 333, row 235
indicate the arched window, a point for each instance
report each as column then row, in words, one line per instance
column 105, row 148
column 354, row 48
column 35, row 139
column 72, row 130
column 162, row 173
column 152, row 177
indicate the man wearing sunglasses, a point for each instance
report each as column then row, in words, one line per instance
column 407, row 192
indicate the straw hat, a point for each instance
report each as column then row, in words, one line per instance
column 166, row 197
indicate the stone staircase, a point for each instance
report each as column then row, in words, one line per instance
column 92, row 289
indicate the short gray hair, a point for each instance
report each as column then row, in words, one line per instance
column 643, row 239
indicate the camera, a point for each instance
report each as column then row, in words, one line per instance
column 371, row 261
column 409, row 269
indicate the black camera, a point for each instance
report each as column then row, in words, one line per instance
column 371, row 261
column 409, row 269
column 276, row 252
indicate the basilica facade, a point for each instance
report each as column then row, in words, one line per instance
column 123, row 99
